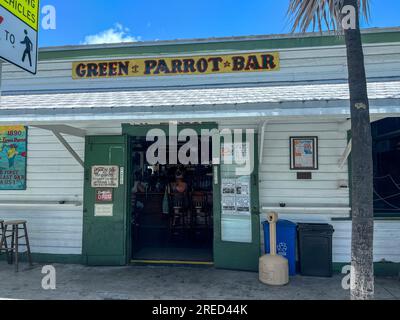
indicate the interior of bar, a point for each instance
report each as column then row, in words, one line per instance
column 172, row 209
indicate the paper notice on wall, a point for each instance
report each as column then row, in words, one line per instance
column 103, row 210
column 227, row 153
column 228, row 204
column 243, row 188
column 228, row 190
column 241, row 153
column 243, row 204
column 235, row 153
column 105, row 177
column 236, row 195
column 228, row 186
column 304, row 153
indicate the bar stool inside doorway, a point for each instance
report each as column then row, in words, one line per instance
column 11, row 230
column 1, row 234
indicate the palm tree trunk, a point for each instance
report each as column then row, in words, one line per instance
column 362, row 168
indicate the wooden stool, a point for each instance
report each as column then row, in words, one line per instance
column 1, row 227
column 13, row 233
column 3, row 243
column 1, row 236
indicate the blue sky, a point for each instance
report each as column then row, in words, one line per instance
column 91, row 21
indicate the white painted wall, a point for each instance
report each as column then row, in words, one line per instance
column 52, row 175
column 279, row 184
column 304, row 64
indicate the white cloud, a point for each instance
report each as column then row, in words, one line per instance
column 117, row 34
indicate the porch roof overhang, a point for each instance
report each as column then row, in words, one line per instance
column 330, row 100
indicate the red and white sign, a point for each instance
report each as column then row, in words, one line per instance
column 104, row 195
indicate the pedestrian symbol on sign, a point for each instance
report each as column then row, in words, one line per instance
column 28, row 48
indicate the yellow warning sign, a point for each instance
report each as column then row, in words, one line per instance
column 26, row 10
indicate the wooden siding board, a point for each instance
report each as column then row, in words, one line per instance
column 306, row 64
column 278, row 184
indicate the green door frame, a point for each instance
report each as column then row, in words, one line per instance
column 98, row 249
column 238, row 255
column 129, row 131
column 228, row 255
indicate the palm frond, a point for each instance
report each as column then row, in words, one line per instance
column 319, row 13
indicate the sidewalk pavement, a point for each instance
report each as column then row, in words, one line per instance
column 77, row 282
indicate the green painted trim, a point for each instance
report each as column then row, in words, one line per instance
column 128, row 200
column 376, row 218
column 50, row 258
column 238, row 255
column 382, row 269
column 142, row 130
column 386, row 216
column 131, row 131
column 223, row 45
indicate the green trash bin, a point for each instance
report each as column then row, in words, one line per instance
column 315, row 249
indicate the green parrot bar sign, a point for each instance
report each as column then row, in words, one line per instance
column 13, row 155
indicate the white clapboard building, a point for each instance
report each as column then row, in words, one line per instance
column 88, row 105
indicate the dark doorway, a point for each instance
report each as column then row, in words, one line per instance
column 171, row 209
column 386, row 153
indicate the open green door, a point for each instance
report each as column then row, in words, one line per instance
column 237, row 229
column 104, row 217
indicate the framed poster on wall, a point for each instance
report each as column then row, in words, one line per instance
column 13, row 155
column 304, row 153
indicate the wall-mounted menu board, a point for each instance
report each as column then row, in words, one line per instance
column 13, row 155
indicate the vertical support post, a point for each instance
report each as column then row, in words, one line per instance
column 261, row 137
column 28, row 247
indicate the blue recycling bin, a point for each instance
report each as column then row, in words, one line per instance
column 286, row 241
